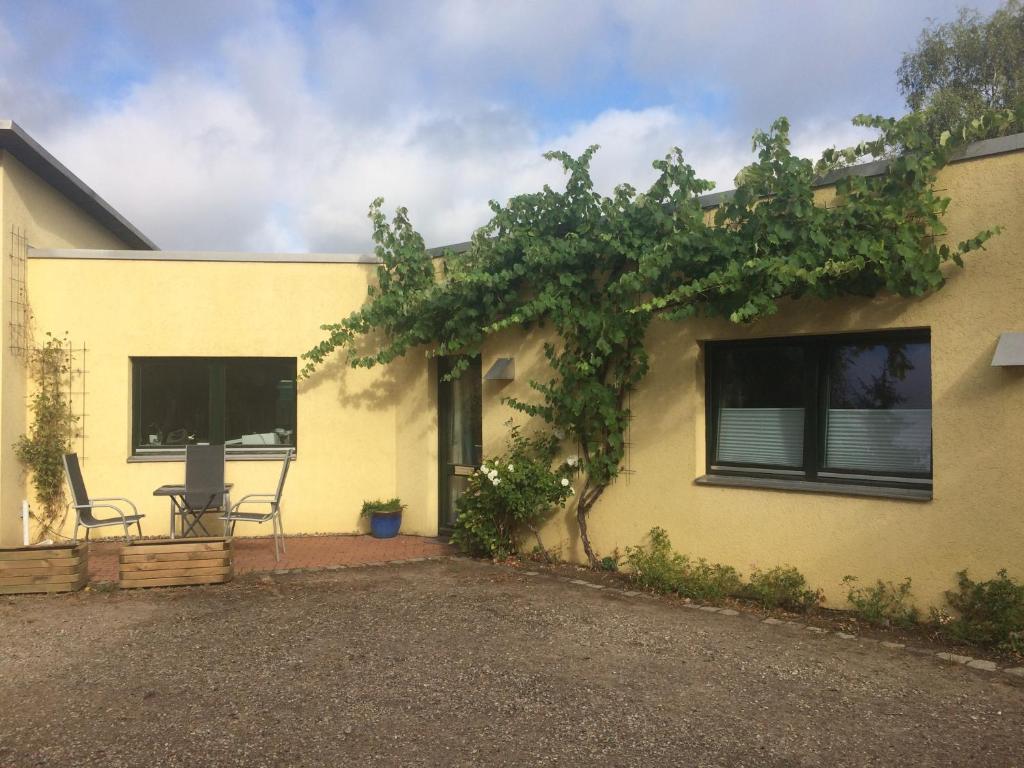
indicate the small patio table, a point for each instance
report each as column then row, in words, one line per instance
column 190, row 515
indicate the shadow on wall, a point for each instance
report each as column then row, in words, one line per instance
column 417, row 438
column 379, row 394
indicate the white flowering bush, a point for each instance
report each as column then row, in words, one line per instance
column 513, row 494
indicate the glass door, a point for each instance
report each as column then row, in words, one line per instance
column 460, row 434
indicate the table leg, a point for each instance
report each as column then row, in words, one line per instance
column 195, row 518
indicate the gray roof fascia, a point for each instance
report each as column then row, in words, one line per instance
column 31, row 154
column 178, row 256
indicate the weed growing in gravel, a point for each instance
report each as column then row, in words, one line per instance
column 781, row 587
column 656, row 567
column 611, row 562
column 659, row 568
column 988, row 612
column 885, row 603
column 709, row 581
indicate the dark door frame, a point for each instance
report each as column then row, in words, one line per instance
column 445, row 468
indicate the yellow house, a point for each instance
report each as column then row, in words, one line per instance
column 740, row 462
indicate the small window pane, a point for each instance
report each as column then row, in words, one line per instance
column 174, row 402
column 760, row 405
column 879, row 415
column 259, row 405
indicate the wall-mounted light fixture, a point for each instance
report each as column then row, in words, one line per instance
column 503, row 369
column 1009, row 350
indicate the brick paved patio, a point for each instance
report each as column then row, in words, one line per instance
column 257, row 554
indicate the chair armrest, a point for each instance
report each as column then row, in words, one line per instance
column 260, row 499
column 253, row 498
column 109, row 506
column 135, row 510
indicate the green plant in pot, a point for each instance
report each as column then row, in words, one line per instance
column 385, row 517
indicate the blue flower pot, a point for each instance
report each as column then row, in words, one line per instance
column 385, row 525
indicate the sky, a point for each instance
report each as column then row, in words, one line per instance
column 271, row 126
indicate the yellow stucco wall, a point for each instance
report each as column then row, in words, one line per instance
column 976, row 516
column 347, row 420
column 365, row 434
column 48, row 220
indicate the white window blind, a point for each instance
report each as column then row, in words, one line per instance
column 896, row 440
column 772, row 436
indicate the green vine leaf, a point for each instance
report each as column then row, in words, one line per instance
column 596, row 270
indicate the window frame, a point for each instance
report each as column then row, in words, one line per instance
column 816, row 387
column 216, row 384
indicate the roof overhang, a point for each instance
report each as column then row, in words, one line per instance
column 30, row 153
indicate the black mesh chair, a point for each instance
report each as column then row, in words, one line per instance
column 84, row 506
column 272, row 500
column 204, row 486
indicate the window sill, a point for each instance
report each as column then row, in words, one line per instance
column 808, row 486
column 180, row 457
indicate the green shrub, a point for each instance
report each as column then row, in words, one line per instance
column 885, row 604
column 53, row 428
column 781, row 587
column 656, row 567
column 988, row 612
column 511, row 494
column 659, row 568
column 711, row 582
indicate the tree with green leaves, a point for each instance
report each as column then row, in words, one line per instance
column 594, row 271
column 964, row 67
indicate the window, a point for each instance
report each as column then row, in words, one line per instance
column 851, row 408
column 247, row 403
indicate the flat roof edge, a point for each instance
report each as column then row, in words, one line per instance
column 974, row 151
column 223, row 256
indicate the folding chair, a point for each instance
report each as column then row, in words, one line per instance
column 204, row 487
column 272, row 500
column 84, row 506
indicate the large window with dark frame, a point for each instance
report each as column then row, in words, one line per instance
column 847, row 408
column 246, row 403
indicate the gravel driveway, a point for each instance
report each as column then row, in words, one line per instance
column 464, row 663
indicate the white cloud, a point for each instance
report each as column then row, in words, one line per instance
column 259, row 132
column 188, row 161
column 199, row 166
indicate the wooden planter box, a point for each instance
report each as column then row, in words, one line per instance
column 53, row 568
column 175, row 562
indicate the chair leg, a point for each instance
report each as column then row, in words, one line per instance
column 87, row 531
column 280, row 525
column 127, row 536
column 277, row 554
column 74, row 536
column 138, row 524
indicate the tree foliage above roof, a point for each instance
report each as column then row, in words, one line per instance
column 962, row 68
column 596, row 269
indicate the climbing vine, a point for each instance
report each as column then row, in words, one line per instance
column 53, row 428
column 596, row 270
